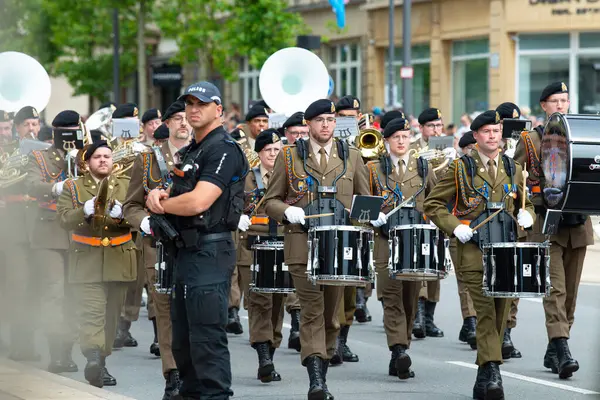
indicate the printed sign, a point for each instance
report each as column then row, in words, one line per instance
column 346, row 128
column 348, row 253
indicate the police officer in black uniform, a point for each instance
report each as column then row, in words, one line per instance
column 203, row 204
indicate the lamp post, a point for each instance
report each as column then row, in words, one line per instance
column 116, row 88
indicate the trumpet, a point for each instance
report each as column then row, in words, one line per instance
column 437, row 158
column 369, row 141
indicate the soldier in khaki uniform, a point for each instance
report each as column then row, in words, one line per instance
column 147, row 175
column 102, row 258
column 491, row 181
column 5, row 129
column 285, row 200
column 395, row 176
column 46, row 174
column 568, row 246
column 265, row 310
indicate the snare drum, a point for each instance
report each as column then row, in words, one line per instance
column 164, row 271
column 268, row 272
column 340, row 255
column 516, row 269
column 418, row 253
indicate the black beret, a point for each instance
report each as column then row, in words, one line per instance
column 395, row 125
column 257, row 110
column 178, row 106
column 348, row 103
column 490, row 117
column 297, row 119
column 261, row 103
column 268, row 136
column 11, row 115
column 281, row 132
column 161, row 133
column 96, row 135
column 430, row 114
column 466, row 140
column 390, row 115
column 45, row 133
column 323, row 106
column 508, row 110
column 126, row 110
column 151, row 114
column 93, row 147
column 110, row 104
column 66, row 119
column 24, row 113
column 553, row 88
column 4, row 116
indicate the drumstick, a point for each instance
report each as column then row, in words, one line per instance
column 525, row 176
column 488, row 219
column 319, row 215
column 257, row 206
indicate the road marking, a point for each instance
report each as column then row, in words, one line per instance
column 529, row 379
column 285, row 324
column 590, row 283
column 533, row 299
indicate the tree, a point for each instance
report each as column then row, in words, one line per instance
column 219, row 32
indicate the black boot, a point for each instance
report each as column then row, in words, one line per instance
column 566, row 364
column 419, row 326
column 401, row 362
column 467, row 332
column 128, row 341
column 550, row 358
column 430, row 328
column 347, row 354
column 93, row 368
column 276, row 376
column 480, row 381
column 172, row 385
column 314, row 367
column 493, row 382
column 119, row 341
column 294, row 339
column 507, row 345
column 325, row 367
column 233, row 324
column 67, row 358
column 337, row 359
column 107, row 378
column 154, row 348
column 361, row 306
column 265, row 364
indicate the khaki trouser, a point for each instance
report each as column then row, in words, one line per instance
column 99, row 307
column 319, row 322
column 399, row 306
column 511, row 322
column 430, row 290
column 240, row 283
column 466, row 304
column 292, row 302
column 133, row 300
column 162, row 307
column 347, row 306
column 369, row 290
column 265, row 317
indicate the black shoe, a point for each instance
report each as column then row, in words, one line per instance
column 294, row 339
column 361, row 306
column 119, row 341
column 233, row 323
column 402, row 362
column 154, row 347
column 515, row 353
column 468, row 332
column 337, row 359
column 419, row 326
column 430, row 328
column 93, row 368
column 493, row 382
column 325, row 367
column 128, row 340
column 479, row 387
column 507, row 345
column 265, row 364
column 65, row 363
column 314, row 367
column 107, row 378
column 55, row 347
column 566, row 364
column 550, row 358
column 275, row 374
column 347, row 354
column 172, row 385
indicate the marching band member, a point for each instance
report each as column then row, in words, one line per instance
column 150, row 121
column 568, row 246
column 5, row 129
column 46, row 174
column 285, row 200
column 27, row 123
column 395, row 176
column 490, row 180
column 149, row 172
column 102, row 257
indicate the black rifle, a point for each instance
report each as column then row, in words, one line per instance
column 162, row 229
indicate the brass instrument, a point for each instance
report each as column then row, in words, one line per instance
column 249, row 152
column 100, row 205
column 369, row 141
column 101, row 120
column 435, row 157
column 125, row 153
column 12, row 165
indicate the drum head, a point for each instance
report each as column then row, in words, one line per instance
column 556, row 160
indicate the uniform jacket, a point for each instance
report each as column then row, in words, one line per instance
column 288, row 186
column 92, row 264
column 44, row 170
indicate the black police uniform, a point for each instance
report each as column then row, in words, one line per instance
column 204, row 264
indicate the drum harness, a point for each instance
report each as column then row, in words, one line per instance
column 260, row 192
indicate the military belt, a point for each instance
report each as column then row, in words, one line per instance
column 105, row 242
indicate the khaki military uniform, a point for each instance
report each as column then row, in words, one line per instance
column 49, row 244
column 145, row 176
column 491, row 312
column 399, row 296
column 101, row 263
column 567, row 249
column 319, row 324
column 466, row 303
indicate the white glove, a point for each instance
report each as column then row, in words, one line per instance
column 117, row 211
column 450, row 153
column 138, row 147
column 432, row 224
column 244, row 223
column 524, row 219
column 380, row 221
column 88, row 207
column 510, row 152
column 145, row 225
column 463, row 233
column 295, row 215
column 58, row 188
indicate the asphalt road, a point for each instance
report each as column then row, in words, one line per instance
column 444, row 367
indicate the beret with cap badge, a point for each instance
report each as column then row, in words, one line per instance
column 553, row 88
column 348, row 103
column 66, row 119
column 176, row 107
column 430, row 114
column 489, row 117
column 26, row 112
column 161, row 133
column 266, row 137
column 127, row 110
column 466, row 140
column 395, row 125
column 390, row 115
column 322, row 106
column 151, row 114
column 297, row 119
column 257, row 110
column 508, row 110
column 93, row 147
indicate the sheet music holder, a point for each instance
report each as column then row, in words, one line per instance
column 276, row 120
column 512, row 128
column 441, row 142
column 551, row 222
column 346, row 128
column 125, row 128
column 365, row 208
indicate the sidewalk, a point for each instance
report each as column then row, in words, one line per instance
column 21, row 382
column 591, row 265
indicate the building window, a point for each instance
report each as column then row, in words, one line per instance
column 470, row 77
column 421, row 63
column 344, row 68
column 248, row 84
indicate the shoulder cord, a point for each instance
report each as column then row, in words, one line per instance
column 147, row 162
column 389, row 196
column 290, row 172
column 462, row 183
column 74, row 193
column 47, row 176
column 533, row 160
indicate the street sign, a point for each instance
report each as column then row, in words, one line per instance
column 406, row 72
